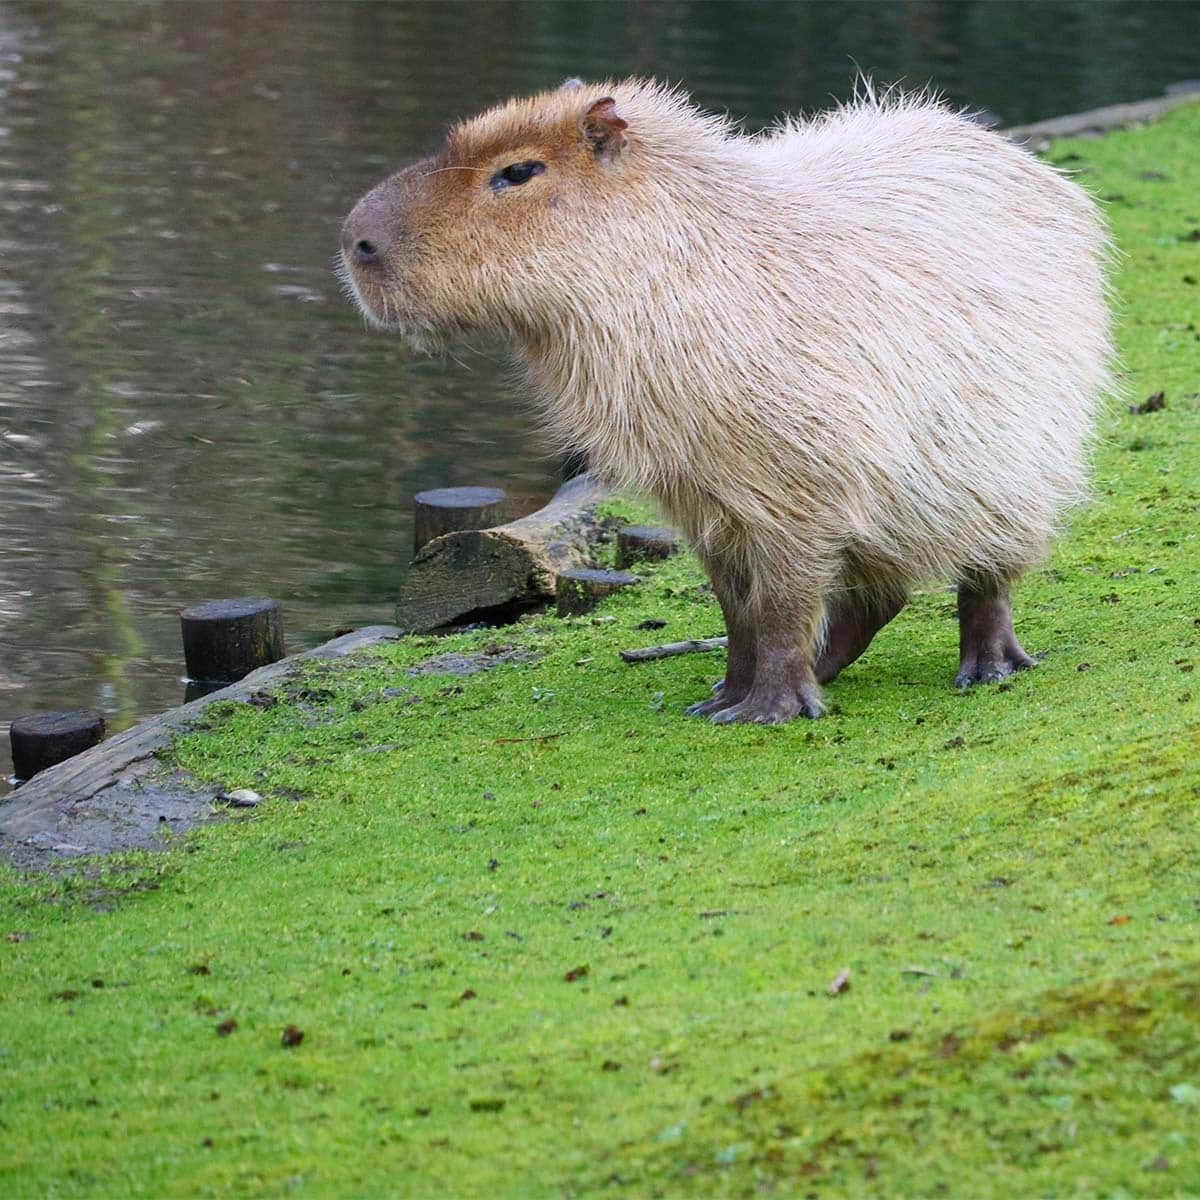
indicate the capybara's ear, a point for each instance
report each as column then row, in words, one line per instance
column 603, row 130
column 569, row 85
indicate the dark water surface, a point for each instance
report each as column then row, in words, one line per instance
column 188, row 408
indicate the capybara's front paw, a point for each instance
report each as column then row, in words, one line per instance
column 772, row 707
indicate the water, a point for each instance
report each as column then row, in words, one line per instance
column 188, row 409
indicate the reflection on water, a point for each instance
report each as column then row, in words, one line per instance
column 188, row 409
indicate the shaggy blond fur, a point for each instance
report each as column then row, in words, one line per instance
column 844, row 355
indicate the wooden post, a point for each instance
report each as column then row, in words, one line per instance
column 43, row 739
column 227, row 639
column 580, row 589
column 644, row 543
column 449, row 510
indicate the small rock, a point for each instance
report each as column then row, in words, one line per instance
column 241, row 797
column 1155, row 402
column 841, row 982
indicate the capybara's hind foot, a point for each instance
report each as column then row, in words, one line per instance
column 772, row 706
column 988, row 645
column 989, row 664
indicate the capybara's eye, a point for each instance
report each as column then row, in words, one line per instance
column 516, row 173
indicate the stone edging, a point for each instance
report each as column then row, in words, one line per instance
column 1100, row 120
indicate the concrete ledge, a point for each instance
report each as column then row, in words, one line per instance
column 1100, row 120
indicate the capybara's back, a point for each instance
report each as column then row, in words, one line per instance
column 845, row 355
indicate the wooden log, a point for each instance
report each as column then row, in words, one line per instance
column 43, row 739
column 448, row 510
column 224, row 640
column 503, row 567
column 580, row 589
column 644, row 543
column 669, row 649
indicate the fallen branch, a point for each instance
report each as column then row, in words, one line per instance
column 692, row 646
column 541, row 737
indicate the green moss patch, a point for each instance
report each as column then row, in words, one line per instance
column 530, row 931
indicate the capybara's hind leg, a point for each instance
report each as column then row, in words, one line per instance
column 988, row 646
column 784, row 684
column 740, row 654
column 850, row 624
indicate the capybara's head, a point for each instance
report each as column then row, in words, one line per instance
column 493, row 231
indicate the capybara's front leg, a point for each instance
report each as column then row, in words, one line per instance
column 785, row 685
column 987, row 642
column 732, row 595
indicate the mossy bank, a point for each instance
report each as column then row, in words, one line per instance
column 538, row 934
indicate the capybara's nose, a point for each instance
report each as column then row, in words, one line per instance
column 364, row 241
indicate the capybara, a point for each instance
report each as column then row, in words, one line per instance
column 845, row 355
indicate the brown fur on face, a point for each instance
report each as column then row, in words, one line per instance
column 845, row 355
column 464, row 254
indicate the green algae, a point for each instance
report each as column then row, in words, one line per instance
column 544, row 935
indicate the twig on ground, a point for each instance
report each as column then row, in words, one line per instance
column 692, row 646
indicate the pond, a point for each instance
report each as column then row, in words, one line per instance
column 188, row 408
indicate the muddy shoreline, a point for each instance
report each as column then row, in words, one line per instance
column 120, row 795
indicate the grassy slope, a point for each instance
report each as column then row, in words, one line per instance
column 597, row 963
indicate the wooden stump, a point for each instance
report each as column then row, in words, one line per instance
column 503, row 567
column 449, row 510
column 644, row 543
column 223, row 640
column 43, row 739
column 580, row 589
